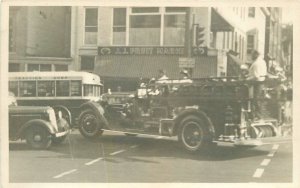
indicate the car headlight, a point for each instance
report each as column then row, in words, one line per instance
column 52, row 118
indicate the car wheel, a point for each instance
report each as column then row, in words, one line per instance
column 193, row 134
column 38, row 137
column 89, row 124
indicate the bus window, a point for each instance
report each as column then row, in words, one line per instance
column 75, row 88
column 62, row 88
column 88, row 90
column 46, row 88
column 13, row 87
column 27, row 88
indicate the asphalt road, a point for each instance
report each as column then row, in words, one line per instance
column 115, row 158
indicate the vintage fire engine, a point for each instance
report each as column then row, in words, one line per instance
column 199, row 112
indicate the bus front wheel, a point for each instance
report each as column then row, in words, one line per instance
column 89, row 124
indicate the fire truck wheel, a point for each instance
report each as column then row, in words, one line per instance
column 89, row 124
column 193, row 134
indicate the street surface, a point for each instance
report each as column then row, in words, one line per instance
column 116, row 158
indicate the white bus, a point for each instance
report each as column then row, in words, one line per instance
column 75, row 94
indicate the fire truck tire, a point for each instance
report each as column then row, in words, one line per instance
column 89, row 124
column 193, row 134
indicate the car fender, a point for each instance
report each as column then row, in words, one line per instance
column 36, row 122
column 196, row 112
column 66, row 110
column 98, row 109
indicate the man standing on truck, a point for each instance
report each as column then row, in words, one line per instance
column 258, row 73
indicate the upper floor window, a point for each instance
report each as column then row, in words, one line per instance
column 149, row 26
column 12, row 26
column 251, row 12
column 91, row 26
column 87, row 63
column 119, row 26
column 38, row 67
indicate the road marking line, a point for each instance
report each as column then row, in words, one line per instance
column 159, row 137
column 65, row 173
column 134, row 146
column 258, row 173
column 117, row 152
column 275, row 146
column 271, row 154
column 93, row 161
column 265, row 162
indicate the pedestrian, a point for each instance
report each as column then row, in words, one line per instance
column 257, row 73
column 162, row 75
column 184, row 74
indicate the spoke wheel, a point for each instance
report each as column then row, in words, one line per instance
column 193, row 134
column 89, row 125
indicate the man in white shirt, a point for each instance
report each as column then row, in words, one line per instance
column 258, row 69
column 258, row 73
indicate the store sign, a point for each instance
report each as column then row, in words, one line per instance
column 120, row 50
column 140, row 50
column 185, row 62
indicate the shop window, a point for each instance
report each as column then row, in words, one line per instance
column 14, row 67
column 87, row 63
column 91, row 25
column 251, row 12
column 61, row 67
column 119, row 26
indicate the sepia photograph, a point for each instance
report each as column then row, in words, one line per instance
column 147, row 93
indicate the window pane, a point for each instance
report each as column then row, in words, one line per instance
column 91, row 17
column 88, row 90
column 33, row 67
column 13, row 87
column 174, row 31
column 45, row 67
column 91, row 26
column 145, row 10
column 176, row 9
column 14, row 67
column 87, row 63
column 119, row 17
column 145, row 21
column 144, row 30
column 62, row 88
column 61, row 67
column 46, row 88
column 28, row 89
column 251, row 12
column 76, row 88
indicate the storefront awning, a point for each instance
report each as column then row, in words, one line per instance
column 219, row 23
